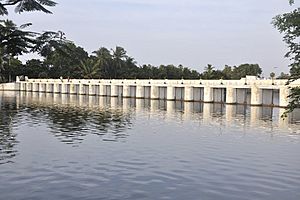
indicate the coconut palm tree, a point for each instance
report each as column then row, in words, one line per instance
column 104, row 60
column 119, row 55
column 208, row 72
column 89, row 68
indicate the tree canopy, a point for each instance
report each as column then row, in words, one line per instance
column 289, row 25
column 26, row 5
column 61, row 57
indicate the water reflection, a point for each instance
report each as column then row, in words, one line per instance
column 71, row 125
column 146, row 149
column 8, row 139
column 70, row 118
column 71, row 122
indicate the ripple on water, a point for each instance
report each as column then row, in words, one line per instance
column 96, row 152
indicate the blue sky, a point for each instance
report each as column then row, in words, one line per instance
column 192, row 33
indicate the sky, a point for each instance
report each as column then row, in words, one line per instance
column 193, row 33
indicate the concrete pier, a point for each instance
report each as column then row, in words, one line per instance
column 231, row 95
column 171, row 93
column 154, row 92
column 256, row 96
column 248, row 90
column 208, row 94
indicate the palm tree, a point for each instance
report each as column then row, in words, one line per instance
column 209, row 69
column 209, row 72
column 89, row 68
column 104, row 60
column 119, row 54
column 26, row 5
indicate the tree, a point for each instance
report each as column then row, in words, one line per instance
column 272, row 75
column 65, row 60
column 104, row 60
column 211, row 73
column 208, row 72
column 289, row 25
column 119, row 55
column 89, row 68
column 14, row 41
column 246, row 70
column 25, row 5
column 129, row 70
column 35, row 68
column 227, row 72
column 283, row 76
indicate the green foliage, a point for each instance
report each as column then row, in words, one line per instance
column 104, row 61
column 283, row 76
column 72, row 61
column 89, row 69
column 65, row 60
column 211, row 73
column 247, row 70
column 10, row 69
column 14, row 40
column 295, row 99
column 232, row 73
column 119, row 55
column 25, row 5
column 272, row 75
column 35, row 69
column 289, row 25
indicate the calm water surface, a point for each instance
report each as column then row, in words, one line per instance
column 80, row 147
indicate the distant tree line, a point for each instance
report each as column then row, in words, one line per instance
column 74, row 62
column 63, row 58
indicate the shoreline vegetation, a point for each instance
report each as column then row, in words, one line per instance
column 60, row 57
column 63, row 58
column 71, row 61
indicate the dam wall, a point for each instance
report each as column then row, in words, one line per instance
column 249, row 90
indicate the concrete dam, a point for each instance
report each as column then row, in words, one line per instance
column 249, row 90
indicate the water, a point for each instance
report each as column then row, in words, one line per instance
column 80, row 147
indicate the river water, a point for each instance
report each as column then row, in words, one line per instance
column 80, row 147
